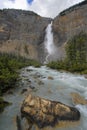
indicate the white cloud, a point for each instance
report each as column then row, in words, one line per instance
column 47, row 8
column 17, row 4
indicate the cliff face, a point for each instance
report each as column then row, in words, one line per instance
column 69, row 23
column 22, row 33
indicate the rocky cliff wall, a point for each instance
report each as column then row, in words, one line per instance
column 22, row 33
column 69, row 23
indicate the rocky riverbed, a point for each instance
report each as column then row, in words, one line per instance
column 49, row 84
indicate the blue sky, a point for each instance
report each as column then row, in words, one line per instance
column 46, row 8
column 30, row 1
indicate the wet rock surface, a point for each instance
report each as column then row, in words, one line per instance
column 43, row 112
column 23, row 91
column 50, row 77
column 78, row 99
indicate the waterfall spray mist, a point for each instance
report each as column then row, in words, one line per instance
column 49, row 43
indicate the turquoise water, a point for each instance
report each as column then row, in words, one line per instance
column 57, row 88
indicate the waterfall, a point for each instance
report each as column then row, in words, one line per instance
column 49, row 43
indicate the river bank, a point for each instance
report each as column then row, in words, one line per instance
column 49, row 84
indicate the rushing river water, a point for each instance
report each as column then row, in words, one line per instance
column 47, row 83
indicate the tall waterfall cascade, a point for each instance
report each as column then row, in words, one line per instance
column 49, row 43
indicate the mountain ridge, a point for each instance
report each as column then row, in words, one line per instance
column 22, row 32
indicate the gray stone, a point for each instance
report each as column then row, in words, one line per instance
column 43, row 112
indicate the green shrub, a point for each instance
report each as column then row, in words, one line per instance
column 9, row 65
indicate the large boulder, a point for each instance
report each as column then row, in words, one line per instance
column 43, row 112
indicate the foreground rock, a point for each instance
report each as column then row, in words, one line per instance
column 78, row 99
column 43, row 112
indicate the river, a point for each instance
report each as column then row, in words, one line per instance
column 49, row 84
